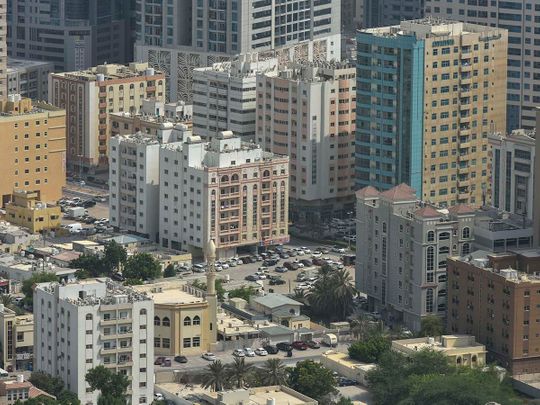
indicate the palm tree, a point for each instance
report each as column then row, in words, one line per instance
column 215, row 376
column 274, row 372
column 6, row 299
column 343, row 291
column 239, row 371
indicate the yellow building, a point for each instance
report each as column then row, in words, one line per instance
column 461, row 350
column 181, row 318
column 32, row 149
column 26, row 210
column 16, row 340
column 342, row 364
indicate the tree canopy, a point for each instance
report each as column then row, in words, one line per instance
column 114, row 256
column 371, row 349
column 142, row 266
column 169, row 271
column 28, row 285
column 431, row 325
column 312, row 379
column 112, row 386
column 54, row 386
column 244, row 292
column 426, row 377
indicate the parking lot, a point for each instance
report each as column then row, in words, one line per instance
column 90, row 203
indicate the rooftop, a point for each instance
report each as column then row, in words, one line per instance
column 112, row 71
column 401, row 192
column 274, row 300
column 276, row 330
column 449, row 344
column 16, row 64
column 495, row 220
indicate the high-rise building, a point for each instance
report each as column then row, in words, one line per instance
column 90, row 95
column 308, row 113
column 405, row 245
column 512, row 181
column 496, row 297
column 3, row 49
column 380, row 13
column 536, row 195
column 95, row 322
column 227, row 190
column 73, row 34
column 29, row 78
column 181, row 36
column 224, row 96
column 33, row 148
column 520, row 19
column 428, row 94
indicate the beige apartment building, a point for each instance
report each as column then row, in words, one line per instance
column 16, row 340
column 3, row 50
column 308, row 113
column 33, row 148
column 89, row 96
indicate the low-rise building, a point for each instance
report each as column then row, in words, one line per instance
column 259, row 396
column 461, row 350
column 26, row 210
column 19, row 268
column 16, row 340
column 13, row 239
column 29, row 78
column 496, row 298
column 17, row 389
column 230, row 328
column 342, row 364
column 274, row 303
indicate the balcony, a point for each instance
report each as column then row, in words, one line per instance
column 105, row 351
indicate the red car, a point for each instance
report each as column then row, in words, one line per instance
column 299, row 345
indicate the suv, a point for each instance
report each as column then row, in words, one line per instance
column 299, row 345
column 271, row 349
column 277, row 281
column 284, row 346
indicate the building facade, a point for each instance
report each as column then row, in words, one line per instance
column 536, row 196
column 428, row 94
column 512, row 181
column 90, row 95
column 94, row 322
column 3, row 50
column 28, row 211
column 186, row 35
column 496, row 297
column 308, row 113
column 224, row 96
column 29, row 78
column 74, row 34
column 381, row 13
column 406, row 245
column 16, row 340
column 226, row 190
column 520, row 19
column 34, row 148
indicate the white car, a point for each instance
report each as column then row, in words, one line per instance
column 219, row 267
column 249, row 352
column 209, row 356
column 261, row 275
column 316, row 255
column 262, row 269
column 261, row 352
column 225, row 266
column 238, row 353
column 232, row 263
column 306, row 250
column 300, row 252
column 158, row 396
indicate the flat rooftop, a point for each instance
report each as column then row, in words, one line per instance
column 173, row 297
column 447, row 343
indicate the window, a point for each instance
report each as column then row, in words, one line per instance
column 143, row 311
column 166, row 322
column 466, row 233
column 196, row 320
column 157, row 342
column 429, row 300
column 157, row 321
column 465, row 249
column 88, row 317
column 196, row 342
column 430, row 258
column 444, row 236
column 444, row 250
column 187, row 342
column 431, row 236
column 187, row 322
column 166, row 343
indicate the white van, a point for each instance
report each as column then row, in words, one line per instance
column 75, row 227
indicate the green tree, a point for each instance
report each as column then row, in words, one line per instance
column 142, row 266
column 112, row 386
column 28, row 285
column 89, row 266
column 46, row 382
column 6, row 299
column 239, row 372
column 369, row 350
column 312, row 379
column 215, row 376
column 244, row 292
column 332, row 295
column 274, row 372
column 41, row 400
column 114, row 256
column 344, row 401
column 431, row 325
column 68, row 398
column 169, row 271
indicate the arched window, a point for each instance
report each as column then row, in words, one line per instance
column 444, row 236
column 141, row 85
column 160, row 82
column 224, row 179
column 121, row 87
column 282, row 183
column 157, row 321
column 465, row 249
column 430, row 258
column 187, row 321
column 111, row 88
column 431, row 236
column 429, row 300
column 142, row 311
column 458, row 361
column 166, row 321
column 234, row 177
column 444, row 250
column 266, row 173
column 196, row 320
column 131, row 86
column 466, row 233
column 88, row 317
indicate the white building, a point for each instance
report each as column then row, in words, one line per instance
column 308, row 112
column 29, row 78
column 224, row 96
column 405, row 244
column 95, row 322
column 512, row 180
column 226, row 190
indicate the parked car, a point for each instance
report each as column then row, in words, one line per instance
column 209, row 356
column 345, row 382
column 259, row 258
column 337, row 249
column 270, row 349
column 100, row 199
column 270, row 262
column 284, row 346
column 239, row 353
column 118, row 277
column 158, row 396
column 318, row 262
column 261, row 275
column 306, row 250
column 316, row 255
column 251, row 277
column 299, row 345
column 313, row 345
column 262, row 352
column 280, row 269
column 166, row 362
column 306, row 262
column 180, row 359
column 248, row 351
column 284, row 256
column 159, row 361
column 88, row 203
column 198, row 268
column 291, row 266
column 277, row 281
column 262, row 269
